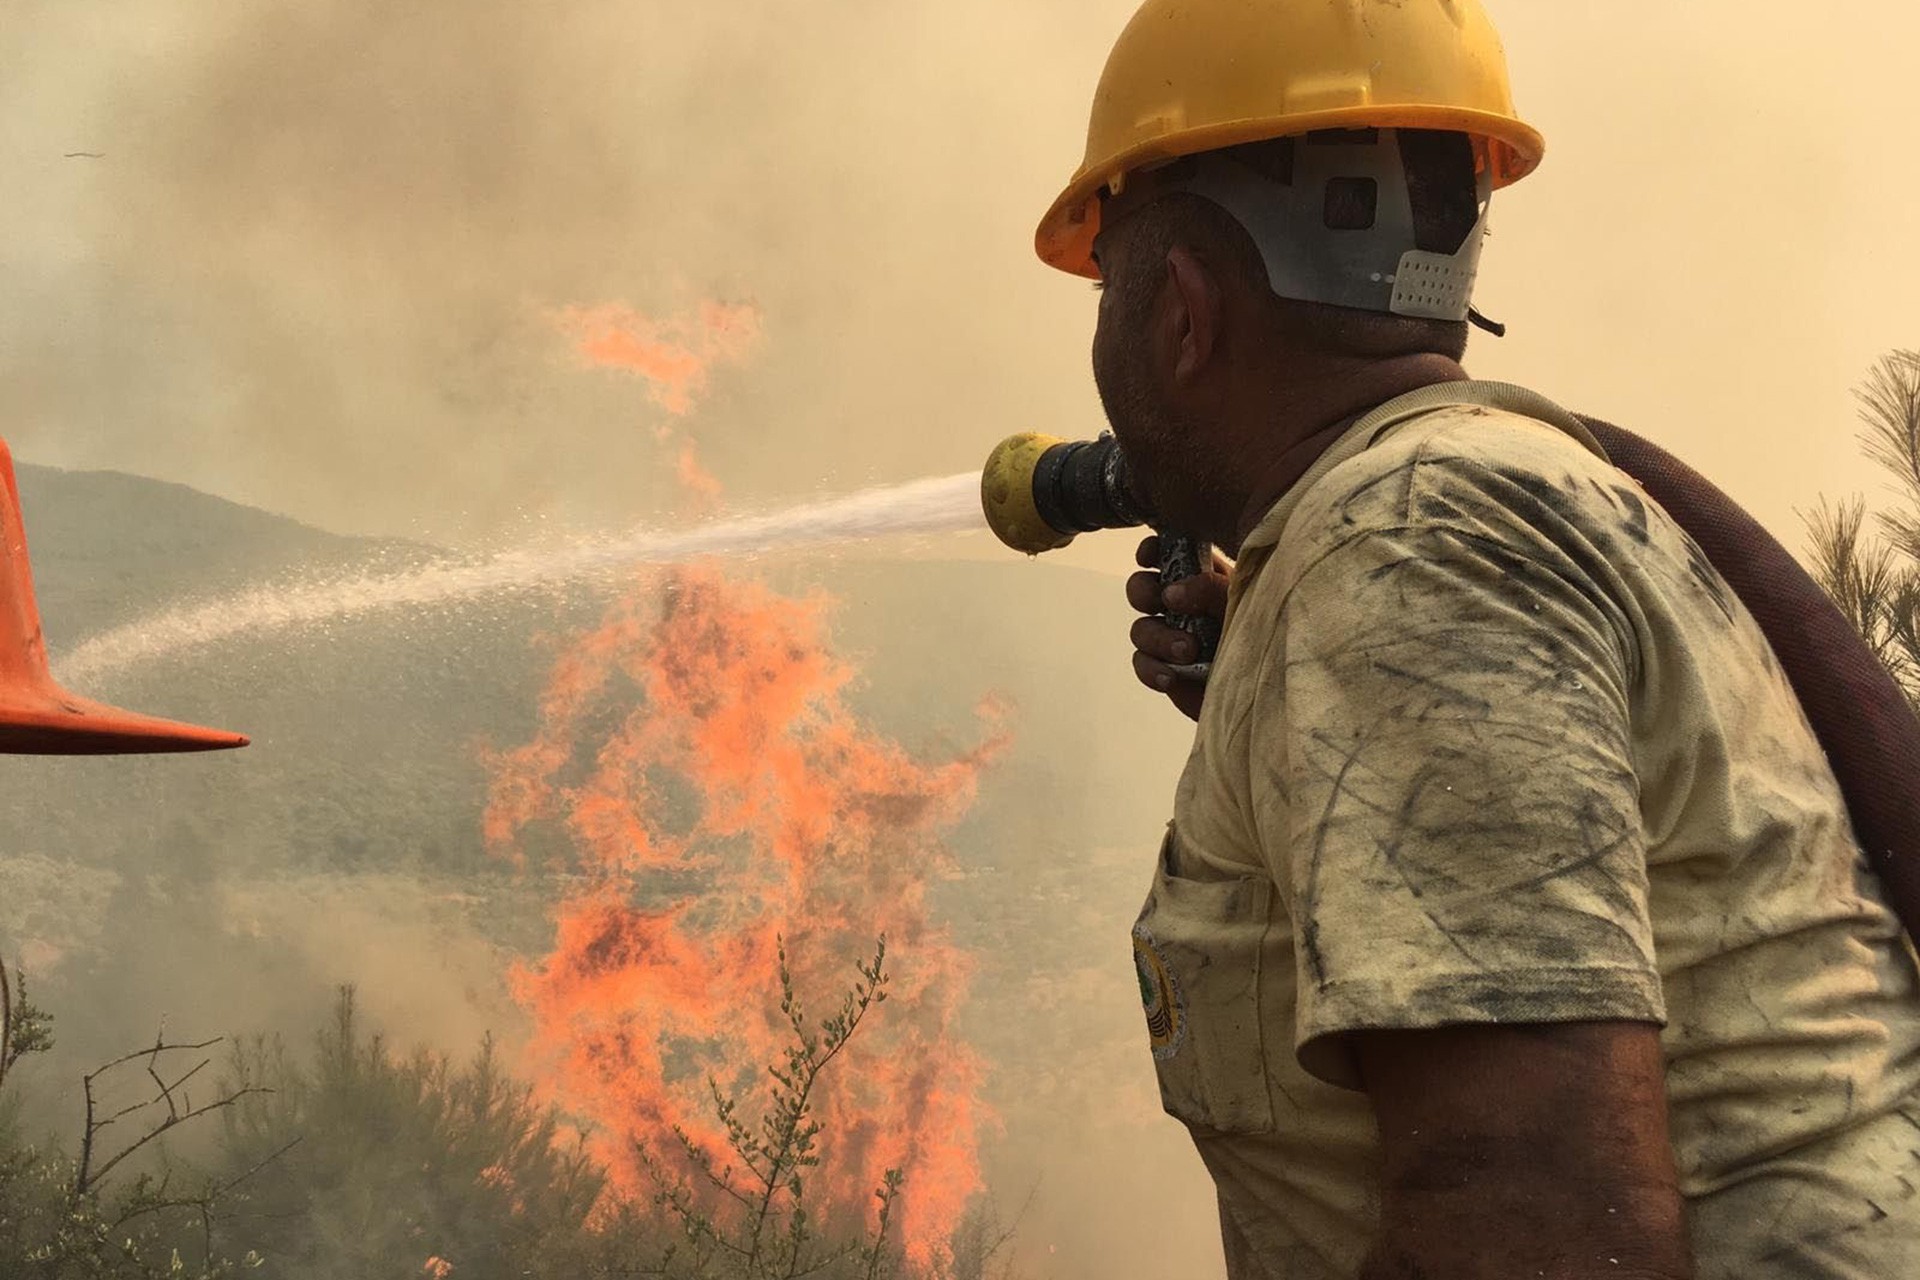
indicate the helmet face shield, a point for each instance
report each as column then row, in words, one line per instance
column 1334, row 217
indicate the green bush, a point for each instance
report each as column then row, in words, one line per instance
column 61, row 1217
column 356, row 1163
column 368, row 1164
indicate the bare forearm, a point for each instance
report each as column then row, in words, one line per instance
column 1476, row 1209
column 1381, row 1267
column 1525, row 1152
column 1506, row 1228
column 1476, row 1212
column 1497, row 1261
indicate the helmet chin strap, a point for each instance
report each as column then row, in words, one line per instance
column 1332, row 216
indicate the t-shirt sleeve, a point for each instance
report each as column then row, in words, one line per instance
column 1454, row 817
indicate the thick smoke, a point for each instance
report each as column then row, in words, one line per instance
column 308, row 257
column 319, row 256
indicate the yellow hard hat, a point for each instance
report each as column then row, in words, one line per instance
column 1195, row 75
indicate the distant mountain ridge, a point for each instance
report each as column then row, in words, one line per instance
column 366, row 730
column 230, row 892
column 108, row 546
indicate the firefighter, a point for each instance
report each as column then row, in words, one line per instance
column 1509, row 922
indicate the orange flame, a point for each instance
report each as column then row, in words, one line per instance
column 737, row 799
column 696, row 482
column 673, row 355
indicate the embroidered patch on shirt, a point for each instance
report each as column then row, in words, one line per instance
column 1160, row 996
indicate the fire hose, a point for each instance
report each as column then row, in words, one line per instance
column 1039, row 492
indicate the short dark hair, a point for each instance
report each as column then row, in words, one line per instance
column 1446, row 206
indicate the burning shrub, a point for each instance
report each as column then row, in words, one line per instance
column 717, row 803
column 744, row 1214
column 360, row 1162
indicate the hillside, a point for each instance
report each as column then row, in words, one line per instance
column 230, row 892
column 109, row 547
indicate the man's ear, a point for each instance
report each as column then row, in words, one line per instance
column 1194, row 314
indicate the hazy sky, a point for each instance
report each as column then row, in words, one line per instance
column 316, row 263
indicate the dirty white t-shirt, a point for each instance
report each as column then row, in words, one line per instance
column 1488, row 740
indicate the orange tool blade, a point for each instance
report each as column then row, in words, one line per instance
column 37, row 716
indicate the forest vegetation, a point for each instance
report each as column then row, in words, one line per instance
column 347, row 1156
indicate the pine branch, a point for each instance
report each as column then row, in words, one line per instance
column 1890, row 409
column 1876, row 583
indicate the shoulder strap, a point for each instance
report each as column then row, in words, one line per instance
column 1858, row 711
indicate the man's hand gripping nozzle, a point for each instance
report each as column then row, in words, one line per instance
column 1039, row 491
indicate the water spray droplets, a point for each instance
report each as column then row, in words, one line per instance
column 949, row 504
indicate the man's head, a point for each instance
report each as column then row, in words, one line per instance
column 1203, row 367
